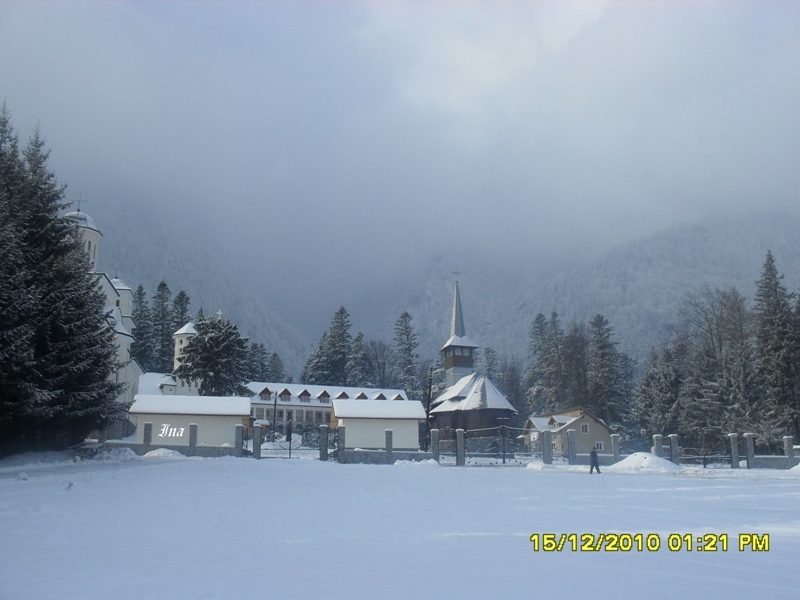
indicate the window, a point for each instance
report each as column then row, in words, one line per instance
column 598, row 446
column 458, row 351
column 584, row 428
column 318, row 416
column 280, row 415
column 285, row 395
column 289, row 415
column 259, row 413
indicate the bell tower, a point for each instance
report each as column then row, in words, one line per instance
column 459, row 351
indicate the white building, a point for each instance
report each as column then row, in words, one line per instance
column 311, row 405
column 366, row 422
column 216, row 418
column 118, row 306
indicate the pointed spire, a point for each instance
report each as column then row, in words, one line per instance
column 457, row 324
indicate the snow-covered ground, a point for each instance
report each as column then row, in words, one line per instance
column 167, row 527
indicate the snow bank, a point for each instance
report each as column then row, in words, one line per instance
column 123, row 454
column 416, row 463
column 164, row 453
column 642, row 461
column 538, row 465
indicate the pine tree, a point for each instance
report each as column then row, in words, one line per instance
column 258, row 368
column 276, row 370
column 656, row 406
column 546, row 381
column 338, row 347
column 317, row 368
column 142, row 346
column 700, row 408
column 163, row 344
column 604, row 371
column 217, row 357
column 358, row 363
column 776, row 368
column 406, row 357
column 57, row 337
column 180, row 311
column 576, row 368
column 490, row 362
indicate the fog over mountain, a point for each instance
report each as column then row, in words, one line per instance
column 280, row 159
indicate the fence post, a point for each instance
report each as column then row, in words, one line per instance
column 734, row 440
column 341, row 457
column 389, row 450
column 239, row 440
column 572, row 447
column 788, row 449
column 323, row 442
column 615, row 446
column 547, row 447
column 148, row 437
column 673, row 449
column 256, row 441
column 749, row 442
column 460, row 459
column 435, row 444
column 658, row 445
column 192, row 439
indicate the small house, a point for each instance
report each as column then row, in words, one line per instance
column 591, row 432
column 216, row 418
column 366, row 421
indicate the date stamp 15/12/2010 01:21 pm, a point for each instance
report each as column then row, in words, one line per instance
column 647, row 542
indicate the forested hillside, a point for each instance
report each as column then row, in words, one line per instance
column 637, row 286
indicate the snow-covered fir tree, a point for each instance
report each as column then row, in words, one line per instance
column 142, row 346
column 57, row 346
column 161, row 314
column 406, row 356
column 217, row 357
column 180, row 310
column 358, row 363
column 776, row 349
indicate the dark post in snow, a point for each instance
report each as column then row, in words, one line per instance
column 192, row 439
column 547, row 447
column 615, row 451
column 788, row 449
column 239, row 440
column 256, row 441
column 658, row 445
column 342, row 458
column 388, row 447
column 323, row 442
column 435, row 444
column 734, row 439
column 750, row 445
column 673, row 449
column 460, row 460
column 148, row 437
column 572, row 447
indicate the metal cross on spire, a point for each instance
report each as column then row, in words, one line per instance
column 219, row 314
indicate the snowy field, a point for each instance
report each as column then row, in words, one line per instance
column 164, row 527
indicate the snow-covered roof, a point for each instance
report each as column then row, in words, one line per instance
column 472, row 392
column 460, row 340
column 119, row 284
column 540, row 423
column 83, row 219
column 150, row 383
column 187, row 329
column 315, row 392
column 378, row 409
column 190, row 405
column 116, row 314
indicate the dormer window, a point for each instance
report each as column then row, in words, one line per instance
column 361, row 396
column 380, row 397
column 324, row 397
column 342, row 396
column 304, row 396
column 285, row 395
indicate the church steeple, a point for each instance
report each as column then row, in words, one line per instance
column 459, row 351
column 457, row 323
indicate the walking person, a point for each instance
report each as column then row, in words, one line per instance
column 595, row 463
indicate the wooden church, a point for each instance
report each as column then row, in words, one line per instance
column 470, row 401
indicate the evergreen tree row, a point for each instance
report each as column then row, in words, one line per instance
column 344, row 360
column 582, row 367
column 57, row 349
column 156, row 322
column 730, row 368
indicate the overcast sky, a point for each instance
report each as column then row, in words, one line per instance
column 356, row 134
